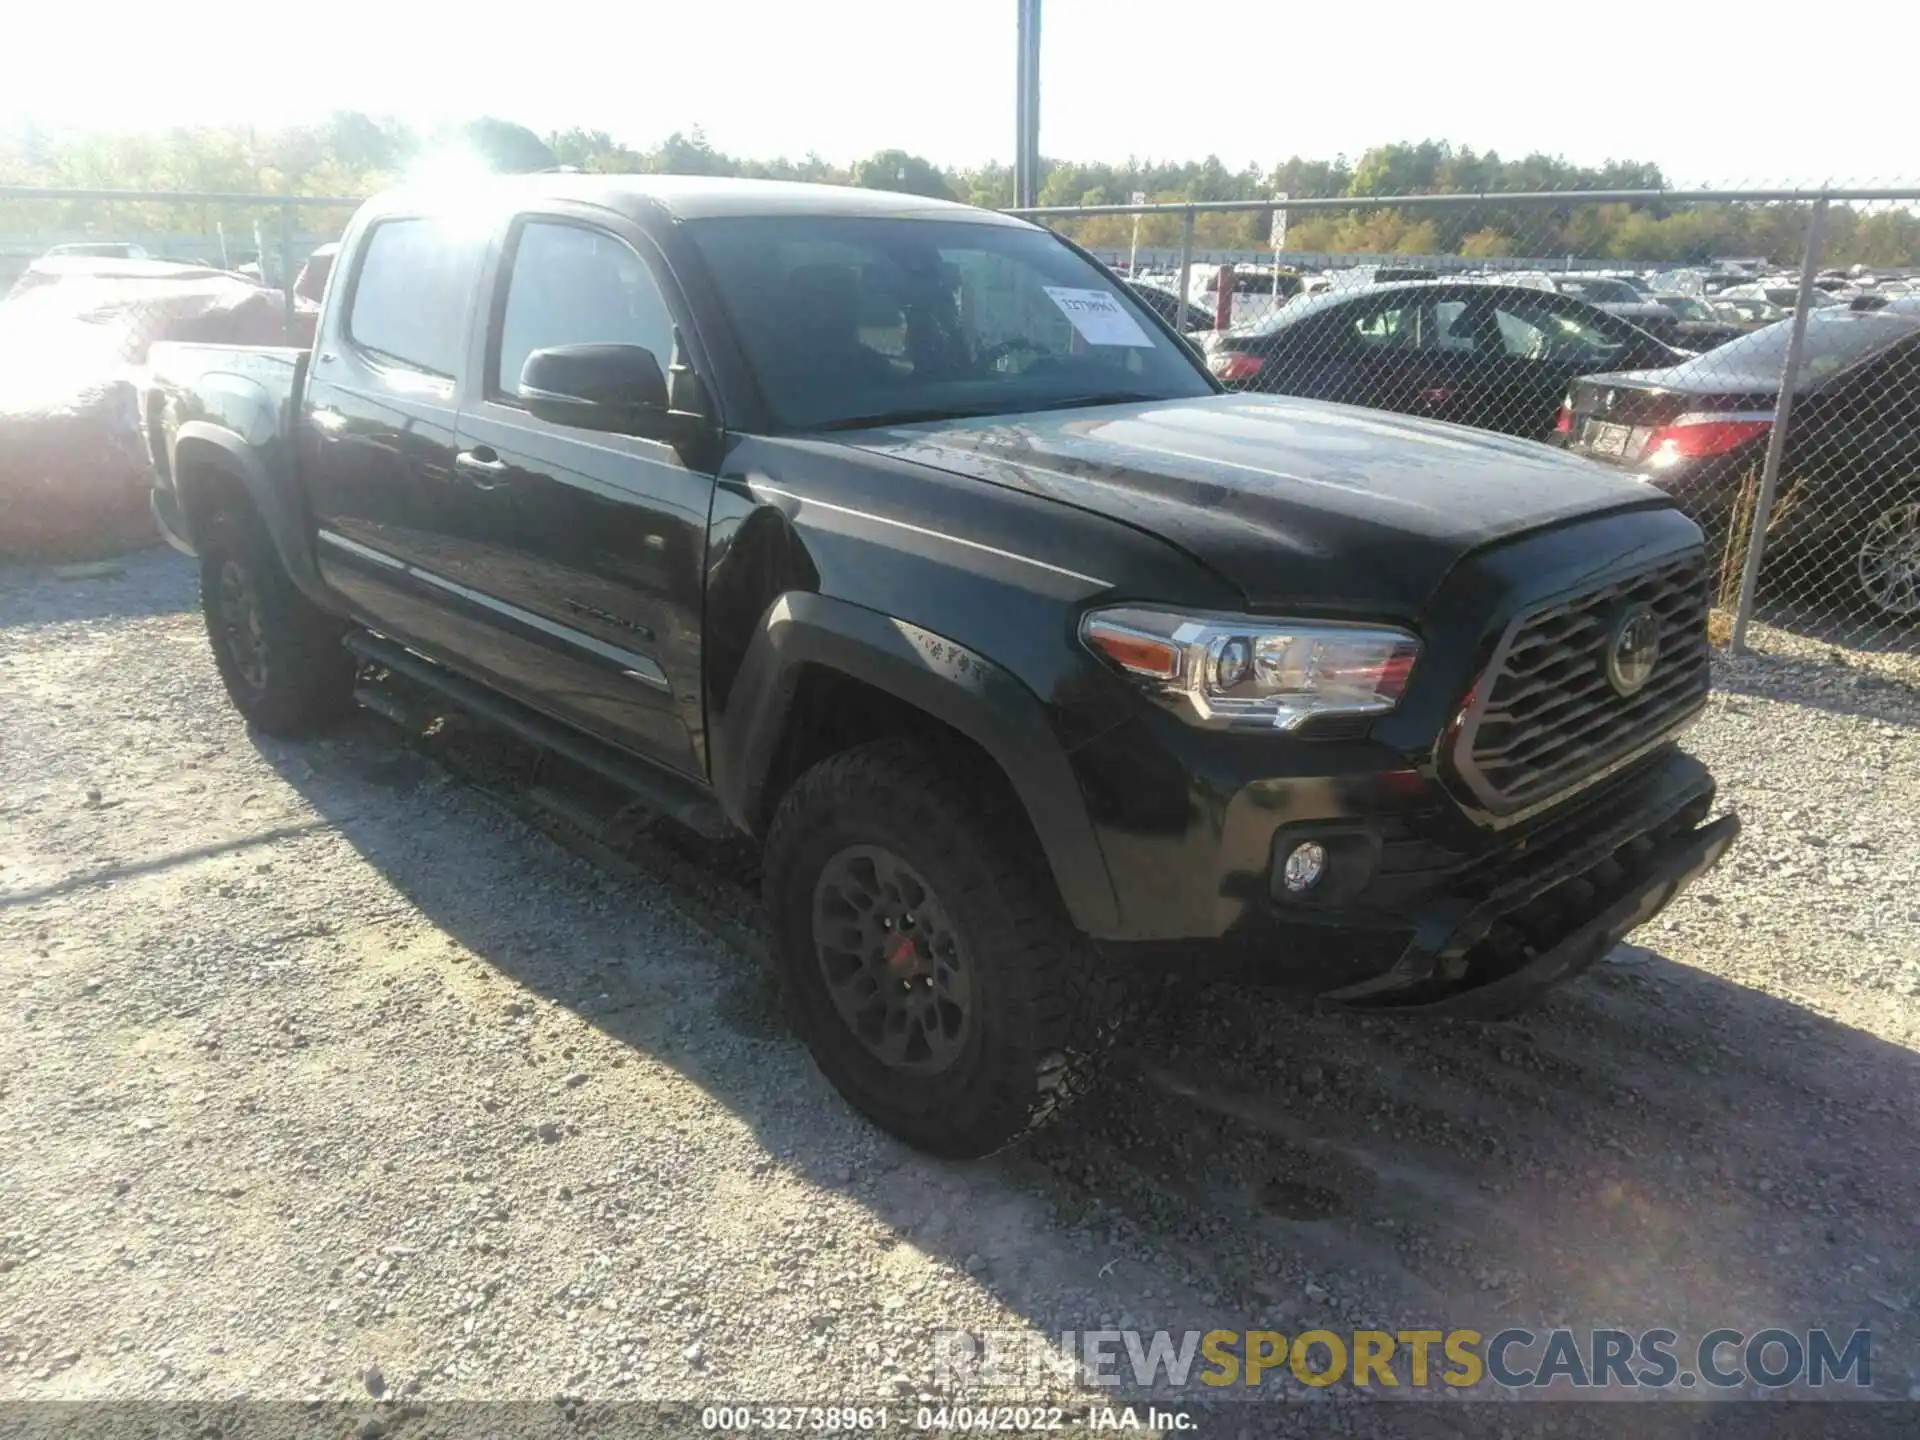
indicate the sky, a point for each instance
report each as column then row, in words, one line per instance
column 1711, row 98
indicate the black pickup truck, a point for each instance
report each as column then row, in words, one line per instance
column 902, row 537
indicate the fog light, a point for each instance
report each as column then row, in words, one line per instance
column 1304, row 866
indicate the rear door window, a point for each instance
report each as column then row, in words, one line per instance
column 412, row 296
column 1537, row 329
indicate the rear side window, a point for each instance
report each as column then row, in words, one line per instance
column 410, row 300
column 1539, row 330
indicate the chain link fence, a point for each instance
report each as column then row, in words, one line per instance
column 1651, row 332
column 1755, row 354
column 265, row 238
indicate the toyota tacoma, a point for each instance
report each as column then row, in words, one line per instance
column 902, row 538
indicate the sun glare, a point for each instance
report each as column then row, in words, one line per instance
column 447, row 167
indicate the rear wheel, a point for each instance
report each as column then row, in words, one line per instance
column 278, row 653
column 1886, row 559
column 927, row 960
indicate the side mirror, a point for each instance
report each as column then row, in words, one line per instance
column 616, row 388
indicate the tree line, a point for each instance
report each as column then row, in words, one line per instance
column 353, row 154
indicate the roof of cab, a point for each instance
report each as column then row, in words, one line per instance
column 687, row 197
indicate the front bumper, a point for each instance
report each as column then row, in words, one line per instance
column 1502, row 955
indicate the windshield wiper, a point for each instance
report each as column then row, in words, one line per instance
column 1105, row 397
column 975, row 412
column 905, row 417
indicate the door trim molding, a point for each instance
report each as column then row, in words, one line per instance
column 633, row 665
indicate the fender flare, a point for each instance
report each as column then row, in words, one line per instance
column 282, row 514
column 935, row 675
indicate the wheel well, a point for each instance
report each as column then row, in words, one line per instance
column 207, row 488
column 832, row 711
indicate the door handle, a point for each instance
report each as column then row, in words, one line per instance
column 480, row 465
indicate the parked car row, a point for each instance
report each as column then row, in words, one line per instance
column 1259, row 290
column 1614, row 294
column 1537, row 360
column 1693, row 309
column 1696, row 325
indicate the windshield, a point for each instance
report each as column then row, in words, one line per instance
column 1835, row 340
column 852, row 320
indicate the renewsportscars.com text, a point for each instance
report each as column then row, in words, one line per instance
column 1520, row 1359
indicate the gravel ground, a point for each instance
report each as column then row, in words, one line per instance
column 321, row 1072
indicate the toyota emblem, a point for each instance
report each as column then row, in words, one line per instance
column 1633, row 649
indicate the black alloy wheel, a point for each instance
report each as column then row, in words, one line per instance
column 1887, row 562
column 895, row 966
column 242, row 630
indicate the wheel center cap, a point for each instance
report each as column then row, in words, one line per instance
column 900, row 955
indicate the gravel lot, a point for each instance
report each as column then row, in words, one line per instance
column 315, row 1060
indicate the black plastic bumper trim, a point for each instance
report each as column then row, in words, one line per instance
column 1677, row 863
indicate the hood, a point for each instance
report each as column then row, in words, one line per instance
column 1292, row 501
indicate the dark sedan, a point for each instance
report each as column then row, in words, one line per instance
column 1477, row 353
column 1850, row 473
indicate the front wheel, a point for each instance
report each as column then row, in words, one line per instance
column 927, row 960
column 278, row 653
column 1886, row 560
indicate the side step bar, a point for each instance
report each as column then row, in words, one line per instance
column 658, row 789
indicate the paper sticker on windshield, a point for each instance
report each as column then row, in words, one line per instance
column 1097, row 316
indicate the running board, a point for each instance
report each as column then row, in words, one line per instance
column 658, row 789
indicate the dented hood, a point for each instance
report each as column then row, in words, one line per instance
column 1292, row 501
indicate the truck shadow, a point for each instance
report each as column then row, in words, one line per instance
column 1657, row 1146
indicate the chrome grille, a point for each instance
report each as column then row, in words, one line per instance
column 1546, row 715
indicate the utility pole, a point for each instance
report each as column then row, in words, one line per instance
column 1026, row 152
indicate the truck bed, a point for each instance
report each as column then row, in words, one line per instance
column 247, row 392
column 176, row 363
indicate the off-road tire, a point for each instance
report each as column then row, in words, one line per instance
column 301, row 679
column 1045, row 1006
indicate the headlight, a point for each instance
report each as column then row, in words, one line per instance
column 1239, row 671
